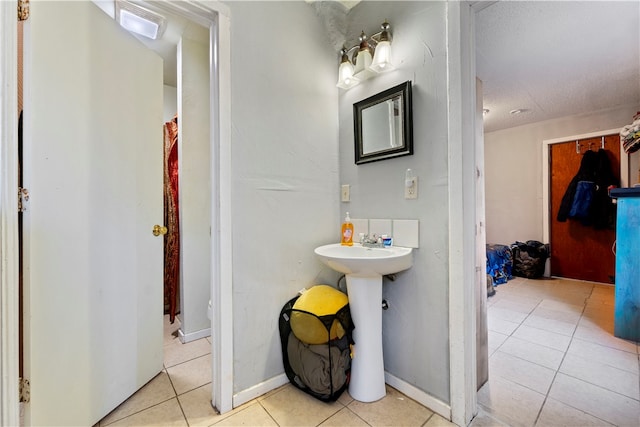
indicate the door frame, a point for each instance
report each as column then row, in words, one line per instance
column 9, row 406
column 216, row 17
column 546, row 146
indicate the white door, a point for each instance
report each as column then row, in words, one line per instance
column 93, row 165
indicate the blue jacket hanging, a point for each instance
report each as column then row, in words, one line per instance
column 600, row 211
column 581, row 206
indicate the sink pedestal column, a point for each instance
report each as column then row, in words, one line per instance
column 367, row 366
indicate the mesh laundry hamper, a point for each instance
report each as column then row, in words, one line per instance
column 321, row 370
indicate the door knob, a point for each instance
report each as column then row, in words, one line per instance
column 159, row 229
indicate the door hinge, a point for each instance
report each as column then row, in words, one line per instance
column 23, row 10
column 24, row 390
column 23, row 198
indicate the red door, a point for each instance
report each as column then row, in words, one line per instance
column 579, row 251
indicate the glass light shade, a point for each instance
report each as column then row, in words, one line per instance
column 363, row 62
column 382, row 58
column 138, row 24
column 346, row 79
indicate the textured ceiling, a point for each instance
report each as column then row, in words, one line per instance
column 556, row 59
column 550, row 58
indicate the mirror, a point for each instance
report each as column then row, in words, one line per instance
column 384, row 125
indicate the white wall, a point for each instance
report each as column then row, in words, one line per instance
column 513, row 167
column 416, row 325
column 285, row 172
column 170, row 102
column 194, row 187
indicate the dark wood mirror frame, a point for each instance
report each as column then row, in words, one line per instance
column 378, row 137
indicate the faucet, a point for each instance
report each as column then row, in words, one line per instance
column 373, row 241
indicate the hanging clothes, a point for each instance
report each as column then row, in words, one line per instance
column 171, row 216
column 587, row 196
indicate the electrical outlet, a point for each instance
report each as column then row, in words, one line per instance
column 411, row 188
column 345, row 193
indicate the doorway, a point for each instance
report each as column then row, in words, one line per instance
column 578, row 251
column 216, row 17
column 583, row 248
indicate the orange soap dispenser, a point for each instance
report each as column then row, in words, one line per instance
column 347, row 232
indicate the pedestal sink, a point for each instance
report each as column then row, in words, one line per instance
column 364, row 268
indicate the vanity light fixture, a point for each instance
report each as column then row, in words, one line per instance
column 140, row 20
column 373, row 56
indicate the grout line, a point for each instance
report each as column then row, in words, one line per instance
column 186, row 361
column 139, row 411
column 425, row 423
column 182, row 410
column 555, row 375
column 267, row 411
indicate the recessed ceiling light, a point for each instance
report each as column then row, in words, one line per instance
column 518, row 111
column 140, row 20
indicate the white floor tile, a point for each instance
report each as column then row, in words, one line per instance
column 596, row 401
column 519, row 305
column 604, row 338
column 190, row 375
column 496, row 324
column 166, row 414
column 564, row 316
column 551, row 325
column 542, row 337
column 605, row 376
column 509, row 402
column 176, row 352
column 606, row 355
column 495, row 340
column 520, row 371
column 506, row 314
column 535, row 353
column 562, row 306
column 557, row 414
column 344, row 417
column 156, row 391
column 253, row 415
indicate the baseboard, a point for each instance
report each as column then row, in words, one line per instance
column 436, row 405
column 259, row 389
column 185, row 338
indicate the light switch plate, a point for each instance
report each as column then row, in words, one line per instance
column 411, row 191
column 345, row 193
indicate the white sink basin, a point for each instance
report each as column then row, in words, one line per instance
column 364, row 268
column 364, row 261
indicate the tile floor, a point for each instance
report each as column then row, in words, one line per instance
column 181, row 396
column 553, row 362
column 553, row 359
